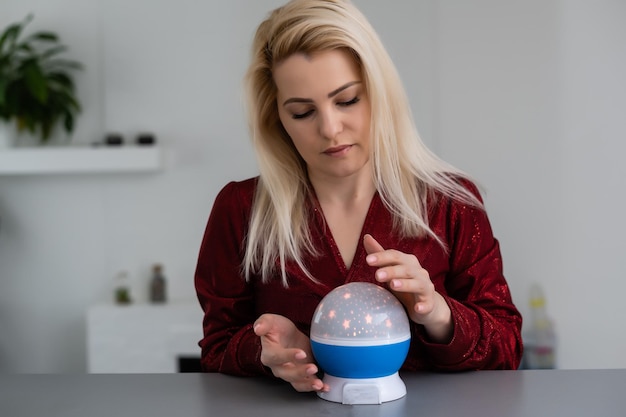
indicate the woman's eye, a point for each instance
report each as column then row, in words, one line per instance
column 349, row 102
column 302, row 115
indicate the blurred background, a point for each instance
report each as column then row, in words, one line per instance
column 529, row 97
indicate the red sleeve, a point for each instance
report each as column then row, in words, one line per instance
column 487, row 325
column 229, row 344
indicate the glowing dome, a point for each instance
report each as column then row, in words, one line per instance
column 360, row 336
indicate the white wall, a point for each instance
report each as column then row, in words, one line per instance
column 527, row 96
column 532, row 98
column 592, row 123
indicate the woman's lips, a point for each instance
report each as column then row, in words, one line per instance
column 337, row 150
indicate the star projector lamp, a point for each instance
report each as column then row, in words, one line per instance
column 360, row 336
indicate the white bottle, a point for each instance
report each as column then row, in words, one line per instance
column 540, row 340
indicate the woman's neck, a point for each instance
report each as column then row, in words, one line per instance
column 344, row 191
column 344, row 203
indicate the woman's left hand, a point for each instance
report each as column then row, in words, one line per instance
column 411, row 284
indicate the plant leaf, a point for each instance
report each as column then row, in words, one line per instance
column 61, row 78
column 43, row 36
column 36, row 81
column 52, row 51
column 10, row 34
column 4, row 83
column 68, row 122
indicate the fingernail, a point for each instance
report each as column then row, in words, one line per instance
column 370, row 259
column 301, row 355
column 396, row 283
column 381, row 274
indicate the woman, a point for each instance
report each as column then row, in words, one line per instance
column 346, row 192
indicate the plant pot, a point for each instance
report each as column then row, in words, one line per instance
column 25, row 139
column 7, row 135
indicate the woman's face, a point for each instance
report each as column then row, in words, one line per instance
column 323, row 106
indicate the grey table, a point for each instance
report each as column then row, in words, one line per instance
column 597, row 393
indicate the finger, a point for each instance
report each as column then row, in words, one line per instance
column 310, row 385
column 310, row 382
column 315, row 384
column 272, row 356
column 303, row 378
column 371, row 245
column 395, row 274
column 417, row 282
column 267, row 323
column 262, row 325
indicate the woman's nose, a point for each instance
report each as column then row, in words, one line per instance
column 330, row 123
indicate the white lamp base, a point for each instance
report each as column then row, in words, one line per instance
column 364, row 390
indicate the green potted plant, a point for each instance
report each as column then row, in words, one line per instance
column 37, row 90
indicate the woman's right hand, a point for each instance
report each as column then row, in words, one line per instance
column 287, row 352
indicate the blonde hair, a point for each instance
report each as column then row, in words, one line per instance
column 405, row 172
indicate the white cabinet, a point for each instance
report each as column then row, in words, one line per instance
column 142, row 338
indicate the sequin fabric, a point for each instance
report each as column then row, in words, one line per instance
column 469, row 275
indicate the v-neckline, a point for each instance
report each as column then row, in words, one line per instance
column 359, row 253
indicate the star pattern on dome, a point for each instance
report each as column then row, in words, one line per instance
column 365, row 311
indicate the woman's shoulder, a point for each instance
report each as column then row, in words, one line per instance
column 246, row 186
column 237, row 193
column 459, row 190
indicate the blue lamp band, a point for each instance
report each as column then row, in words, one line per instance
column 349, row 361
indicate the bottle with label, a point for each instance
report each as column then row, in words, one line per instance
column 157, row 285
column 540, row 340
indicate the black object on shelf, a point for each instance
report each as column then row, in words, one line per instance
column 145, row 139
column 114, row 139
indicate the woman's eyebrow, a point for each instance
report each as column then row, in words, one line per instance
column 343, row 87
column 330, row 95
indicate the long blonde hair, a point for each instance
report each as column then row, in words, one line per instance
column 405, row 172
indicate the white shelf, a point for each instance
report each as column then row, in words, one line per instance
column 80, row 160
